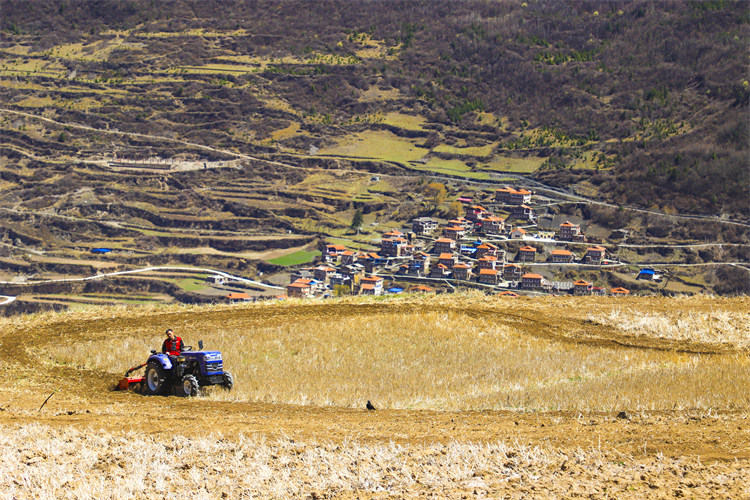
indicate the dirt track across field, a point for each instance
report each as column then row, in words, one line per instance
column 84, row 399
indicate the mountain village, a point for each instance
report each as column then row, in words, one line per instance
column 497, row 246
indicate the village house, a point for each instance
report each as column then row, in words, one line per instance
column 340, row 279
column 518, row 233
column 421, row 289
column 493, row 225
column 394, row 247
column 488, row 276
column 354, row 273
column 582, row 287
column 597, row 290
column 620, row 291
column 463, row 222
column 512, row 272
column 462, row 271
column 334, row 251
column 302, row 273
column 561, row 256
column 349, row 257
column 570, row 232
column 487, row 249
column 321, row 273
column 526, row 254
column 372, row 261
column 454, row 232
column 353, row 270
column 424, row 226
column 513, row 196
column 439, row 271
column 395, row 233
column 524, row 212
column 594, row 255
column 476, row 213
column 239, row 297
column 531, row 281
column 299, row 288
column 447, row 259
column 444, row 245
column 419, row 265
column 372, row 285
column 487, row 262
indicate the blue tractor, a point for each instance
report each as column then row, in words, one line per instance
column 185, row 373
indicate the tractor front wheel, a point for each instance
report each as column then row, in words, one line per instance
column 189, row 386
column 154, row 381
column 228, row 381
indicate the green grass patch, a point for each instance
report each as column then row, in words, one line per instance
column 476, row 151
column 525, row 165
column 296, row 258
column 450, row 167
column 406, row 122
column 190, row 284
column 379, row 145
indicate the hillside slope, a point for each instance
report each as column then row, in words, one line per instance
column 644, row 103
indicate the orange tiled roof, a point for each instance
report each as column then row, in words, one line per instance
column 508, row 293
column 581, row 283
column 296, row 284
column 620, row 290
column 487, row 271
column 238, row 295
column 567, row 223
column 561, row 252
column 527, row 249
column 532, row 276
column 445, row 256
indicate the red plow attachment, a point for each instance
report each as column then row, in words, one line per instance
column 127, row 382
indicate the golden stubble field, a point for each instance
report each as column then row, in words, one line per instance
column 476, row 395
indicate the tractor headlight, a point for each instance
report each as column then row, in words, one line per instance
column 181, row 359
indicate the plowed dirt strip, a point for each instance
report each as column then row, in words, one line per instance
column 636, row 455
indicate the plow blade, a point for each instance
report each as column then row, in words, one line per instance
column 127, row 382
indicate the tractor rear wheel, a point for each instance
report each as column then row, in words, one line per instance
column 189, row 386
column 228, row 381
column 154, row 380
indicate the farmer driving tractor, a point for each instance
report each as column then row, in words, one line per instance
column 172, row 345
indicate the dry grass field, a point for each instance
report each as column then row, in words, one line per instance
column 475, row 395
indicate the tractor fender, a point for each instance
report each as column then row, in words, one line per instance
column 162, row 359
